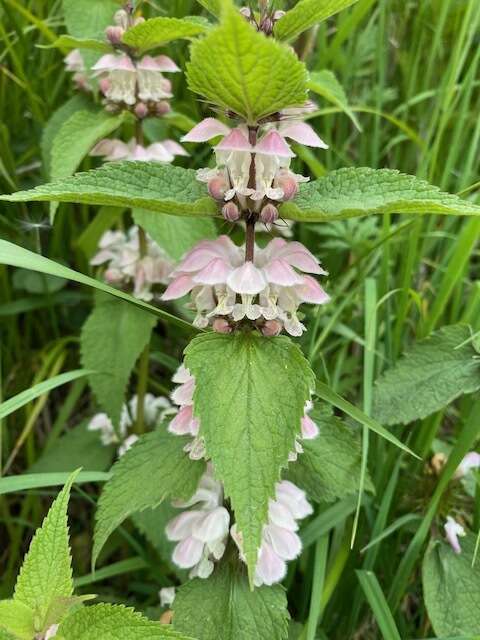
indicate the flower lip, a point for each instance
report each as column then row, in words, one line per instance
column 112, row 62
column 159, row 63
column 206, row 130
column 273, row 144
column 302, row 133
column 234, row 141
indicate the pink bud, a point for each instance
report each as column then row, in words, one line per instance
column 114, row 34
column 269, row 214
column 220, row 325
column 104, row 85
column 289, row 186
column 230, row 212
column 217, row 187
column 271, row 328
column 162, row 108
column 141, row 110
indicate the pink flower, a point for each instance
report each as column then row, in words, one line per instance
column 469, row 462
column 75, row 64
column 454, row 530
column 309, row 431
column 184, row 422
column 113, row 150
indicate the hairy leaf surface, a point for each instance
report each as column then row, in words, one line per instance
column 306, row 14
column 214, row 6
column 157, row 32
column 17, row 618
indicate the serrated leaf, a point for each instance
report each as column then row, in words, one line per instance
column 70, row 42
column 155, row 468
column 113, row 622
column 306, row 14
column 146, row 185
column 325, row 83
column 229, row 609
column 112, row 339
column 329, row 467
column 46, row 573
column 17, row 618
column 241, row 70
column 250, row 395
column 451, row 588
column 213, row 6
column 157, row 32
column 431, row 374
column 350, row 193
column 174, row 234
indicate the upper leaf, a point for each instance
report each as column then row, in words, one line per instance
column 154, row 468
column 306, row 14
column 229, row 609
column 241, row 70
column 325, row 84
column 429, row 376
column 250, row 395
column 70, row 42
column 17, row 618
column 148, row 185
column 349, row 193
column 157, row 32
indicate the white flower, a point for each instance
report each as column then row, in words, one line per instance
column 51, row 631
column 469, row 462
column 454, row 530
column 167, row 596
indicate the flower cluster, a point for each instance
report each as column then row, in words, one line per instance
column 128, row 263
column 113, row 150
column 75, row 64
column 226, row 289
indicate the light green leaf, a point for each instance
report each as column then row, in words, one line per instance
column 214, row 6
column 67, row 42
column 250, row 396
column 349, row 193
column 229, row 609
column 174, row 234
column 16, row 484
column 155, row 468
column 112, row 339
column 306, row 14
column 329, row 468
column 17, row 618
column 324, row 83
column 113, row 622
column 46, row 573
column 451, row 588
column 241, row 70
column 430, row 375
column 6, row 635
column 146, row 185
column 157, row 32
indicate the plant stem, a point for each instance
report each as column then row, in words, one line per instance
column 142, row 389
column 251, row 215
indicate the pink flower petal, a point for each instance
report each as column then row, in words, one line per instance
column 272, row 144
column 183, row 395
column 178, row 288
column 286, row 544
column 188, row 553
column 294, row 499
column 215, row 272
column 181, row 375
column 302, row 133
column 159, row 63
column 174, row 148
column 299, row 256
column 206, row 130
column 182, row 525
column 181, row 423
column 270, row 567
column 470, row 461
column 234, row 141
column 310, row 291
column 247, row 279
column 281, row 273
column 309, row 429
column 159, row 152
column 280, row 515
column 213, row 526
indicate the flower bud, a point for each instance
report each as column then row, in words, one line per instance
column 141, row 110
column 230, row 212
column 217, row 187
column 121, row 18
column 220, row 325
column 162, row 108
column 269, row 214
column 246, row 12
column 289, row 186
column 271, row 328
column 114, row 34
column 278, row 14
column 267, row 26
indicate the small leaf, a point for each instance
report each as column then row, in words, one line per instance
column 112, row 339
column 155, row 468
column 350, row 193
column 306, row 14
column 241, row 70
column 158, row 32
column 46, row 573
column 430, row 375
column 325, row 83
column 250, row 396
column 451, row 587
column 229, row 609
column 17, row 618
column 69, row 42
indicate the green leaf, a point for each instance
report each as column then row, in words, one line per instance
column 229, row 609
column 213, row 6
column 241, row 70
column 329, row 468
column 377, row 601
column 147, row 185
column 16, row 484
column 306, row 14
column 155, row 468
column 174, row 234
column 6, row 635
column 17, row 618
column 113, row 622
column 250, row 396
column 66, row 42
column 430, row 375
column 324, row 83
column 350, row 193
column 451, row 588
column 112, row 339
column 157, row 32
column 46, row 573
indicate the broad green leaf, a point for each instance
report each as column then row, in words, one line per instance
column 174, row 234
column 430, row 375
column 324, row 83
column 155, row 468
column 112, row 339
column 350, row 193
column 306, row 14
column 113, row 622
column 157, row 32
column 6, row 635
column 451, row 588
column 241, row 70
column 146, row 185
column 66, row 42
column 229, row 609
column 329, row 468
column 46, row 573
column 213, row 6
column 23, row 398
column 250, row 396
column 17, row 618
column 16, row 256
column 16, row 484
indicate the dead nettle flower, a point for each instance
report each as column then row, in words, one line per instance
column 470, row 462
column 166, row 596
column 51, row 631
column 121, row 253
column 454, row 530
column 201, row 532
column 113, row 150
column 280, row 541
column 75, row 64
column 226, row 289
